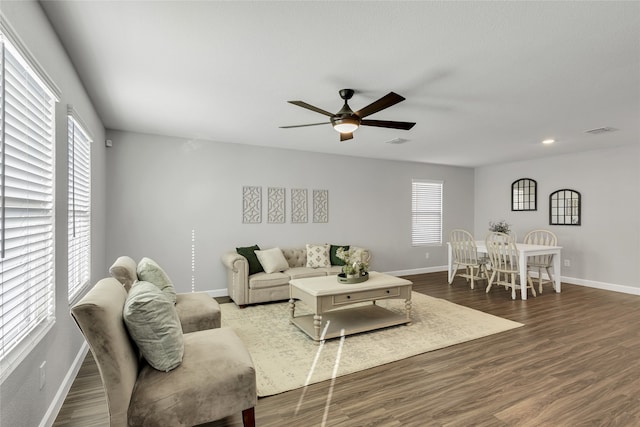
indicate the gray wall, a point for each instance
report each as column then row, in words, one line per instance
column 605, row 250
column 160, row 189
column 22, row 403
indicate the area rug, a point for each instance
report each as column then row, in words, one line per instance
column 286, row 358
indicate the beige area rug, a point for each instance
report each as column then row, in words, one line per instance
column 286, row 358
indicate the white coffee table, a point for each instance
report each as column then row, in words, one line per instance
column 328, row 299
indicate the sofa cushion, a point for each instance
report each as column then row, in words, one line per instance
column 318, row 256
column 334, row 269
column 333, row 256
column 249, row 253
column 272, row 260
column 153, row 323
column 268, row 280
column 149, row 271
column 303, row 272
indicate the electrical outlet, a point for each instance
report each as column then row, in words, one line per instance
column 567, row 263
column 426, row 256
column 43, row 374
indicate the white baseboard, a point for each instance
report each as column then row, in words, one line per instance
column 571, row 280
column 50, row 417
column 215, row 293
column 602, row 285
column 417, row 271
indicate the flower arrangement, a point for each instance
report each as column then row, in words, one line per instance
column 500, row 227
column 353, row 264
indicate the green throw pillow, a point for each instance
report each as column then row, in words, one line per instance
column 334, row 257
column 154, row 325
column 250, row 254
column 149, row 271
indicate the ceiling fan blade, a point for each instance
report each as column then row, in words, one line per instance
column 346, row 136
column 386, row 101
column 301, row 126
column 311, row 107
column 388, row 124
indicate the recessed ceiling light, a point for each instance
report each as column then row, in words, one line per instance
column 548, row 141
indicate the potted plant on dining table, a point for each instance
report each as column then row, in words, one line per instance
column 500, row 227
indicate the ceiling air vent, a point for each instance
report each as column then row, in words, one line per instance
column 598, row 131
column 397, row 141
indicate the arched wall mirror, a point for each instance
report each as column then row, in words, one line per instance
column 564, row 207
column 524, row 195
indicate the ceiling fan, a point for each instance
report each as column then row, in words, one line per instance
column 346, row 121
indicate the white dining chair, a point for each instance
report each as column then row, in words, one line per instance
column 503, row 259
column 539, row 262
column 465, row 254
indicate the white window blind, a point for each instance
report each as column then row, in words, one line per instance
column 426, row 212
column 79, row 216
column 26, row 207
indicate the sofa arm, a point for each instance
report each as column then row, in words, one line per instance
column 237, row 268
column 365, row 254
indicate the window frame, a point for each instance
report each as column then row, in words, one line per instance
column 79, row 143
column 27, row 145
column 418, row 238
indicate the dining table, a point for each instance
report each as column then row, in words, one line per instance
column 525, row 250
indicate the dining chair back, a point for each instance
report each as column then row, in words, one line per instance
column 503, row 260
column 465, row 254
column 539, row 262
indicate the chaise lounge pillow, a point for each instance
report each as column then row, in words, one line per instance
column 249, row 253
column 318, row 256
column 154, row 325
column 149, row 271
column 272, row 260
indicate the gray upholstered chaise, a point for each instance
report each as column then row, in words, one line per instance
column 216, row 378
column 197, row 310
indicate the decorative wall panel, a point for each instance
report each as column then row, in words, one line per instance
column 251, row 205
column 320, row 205
column 276, row 205
column 299, row 209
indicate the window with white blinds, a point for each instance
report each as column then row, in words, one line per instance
column 79, row 212
column 27, row 117
column 426, row 212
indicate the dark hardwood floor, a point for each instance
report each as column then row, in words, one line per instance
column 576, row 362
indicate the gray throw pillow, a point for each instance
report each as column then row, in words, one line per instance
column 150, row 271
column 153, row 323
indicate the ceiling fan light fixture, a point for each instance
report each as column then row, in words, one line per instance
column 345, row 124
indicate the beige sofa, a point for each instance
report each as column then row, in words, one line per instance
column 263, row 287
column 197, row 310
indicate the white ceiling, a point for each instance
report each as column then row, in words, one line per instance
column 485, row 81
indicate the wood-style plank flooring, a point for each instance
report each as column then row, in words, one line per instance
column 576, row 362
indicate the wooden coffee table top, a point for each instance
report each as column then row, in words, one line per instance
column 329, row 285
